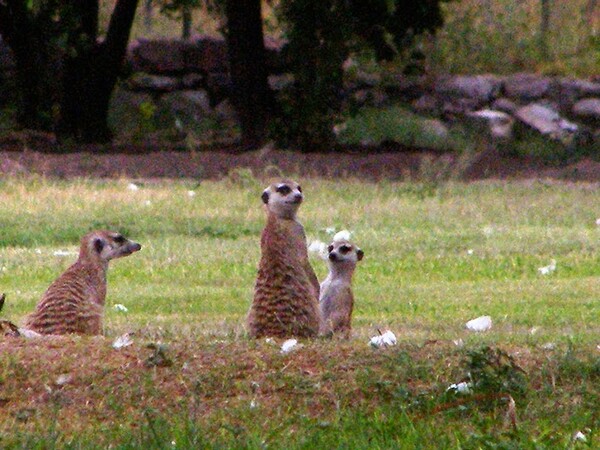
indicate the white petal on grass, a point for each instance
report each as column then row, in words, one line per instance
column 386, row 339
column 133, row 187
column 38, row 251
column 63, row 253
column 534, row 330
column 547, row 270
column 147, row 203
column 253, row 404
column 482, row 323
column 63, row 379
column 330, row 230
column 460, row 388
column 343, row 235
column 470, row 252
column 122, row 341
column 549, row 346
column 191, row 193
column 289, row 345
column 120, row 308
column 270, row 341
column 579, row 436
column 459, row 342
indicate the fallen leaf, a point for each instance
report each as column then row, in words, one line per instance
column 383, row 340
column 122, row 341
column 289, row 345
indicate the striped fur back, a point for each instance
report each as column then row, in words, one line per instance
column 73, row 303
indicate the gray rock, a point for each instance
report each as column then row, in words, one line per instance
column 155, row 83
column 578, row 88
column 157, row 56
column 499, row 124
column 482, row 88
column 459, row 107
column 192, row 81
column 225, row 111
column 125, row 110
column 280, row 82
column 427, row 104
column 405, row 87
column 435, row 128
column 588, row 109
column 367, row 79
column 184, row 108
column 525, row 86
column 505, row 105
column 206, row 54
column 370, row 97
column 546, row 121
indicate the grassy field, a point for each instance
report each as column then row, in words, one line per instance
column 436, row 256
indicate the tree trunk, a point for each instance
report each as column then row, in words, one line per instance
column 545, row 27
column 90, row 77
column 186, row 21
column 251, row 95
column 30, row 50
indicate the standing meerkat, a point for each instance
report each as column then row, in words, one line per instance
column 286, row 295
column 337, row 301
column 74, row 302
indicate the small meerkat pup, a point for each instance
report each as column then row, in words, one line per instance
column 336, row 300
column 74, row 302
column 286, row 294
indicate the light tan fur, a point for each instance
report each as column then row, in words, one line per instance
column 337, row 301
column 74, row 302
column 287, row 289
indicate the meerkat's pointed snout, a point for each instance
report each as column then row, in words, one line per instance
column 134, row 247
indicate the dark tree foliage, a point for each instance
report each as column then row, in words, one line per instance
column 321, row 34
column 65, row 72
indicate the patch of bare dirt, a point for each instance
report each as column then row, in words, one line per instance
column 215, row 163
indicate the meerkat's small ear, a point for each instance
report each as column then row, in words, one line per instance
column 265, row 197
column 99, row 244
column 360, row 254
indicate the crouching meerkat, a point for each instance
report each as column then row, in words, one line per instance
column 336, row 300
column 74, row 302
column 287, row 290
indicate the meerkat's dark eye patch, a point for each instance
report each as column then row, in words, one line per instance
column 119, row 239
column 284, row 189
column 265, row 197
column 345, row 248
column 299, row 189
column 330, row 248
column 99, row 245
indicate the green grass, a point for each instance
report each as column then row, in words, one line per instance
column 436, row 255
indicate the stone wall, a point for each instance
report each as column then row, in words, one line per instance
column 183, row 83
